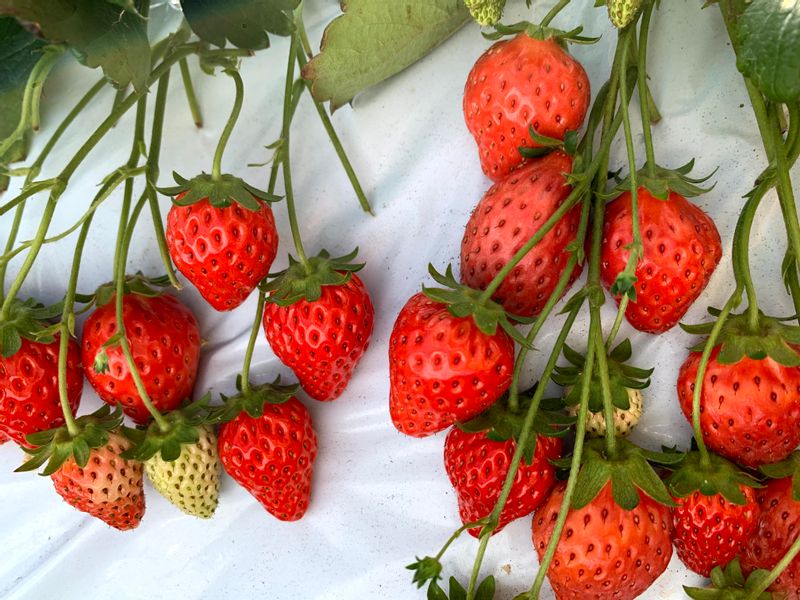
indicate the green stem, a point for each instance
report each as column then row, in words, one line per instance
column 623, row 305
column 554, row 12
column 216, row 169
column 644, row 32
column 191, row 97
column 605, row 387
column 251, row 343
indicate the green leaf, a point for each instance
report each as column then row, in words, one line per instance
column 486, row 589
column 769, row 47
column 101, row 34
column 373, row 40
column 245, row 23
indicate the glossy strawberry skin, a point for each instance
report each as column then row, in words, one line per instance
column 223, row 252
column 516, row 84
column 272, row 456
column 442, row 368
column 477, row 468
column 749, row 411
column 165, row 343
column 777, row 529
column 29, row 400
column 710, row 531
column 108, row 487
column 682, row 249
column 510, row 213
column 604, row 551
column 322, row 341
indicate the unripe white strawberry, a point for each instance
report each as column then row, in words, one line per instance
column 623, row 12
column 486, row 12
column 624, row 420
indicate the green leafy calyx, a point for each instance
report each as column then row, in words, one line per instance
column 664, row 181
column 730, row 584
column 27, row 320
column 719, row 476
column 789, row 467
column 220, row 192
column 253, row 401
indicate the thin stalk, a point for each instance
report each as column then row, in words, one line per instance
column 191, row 97
column 251, row 343
column 605, row 387
column 554, row 12
column 216, row 169
column 623, row 305
column 644, row 32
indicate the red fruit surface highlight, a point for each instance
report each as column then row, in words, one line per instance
column 516, row 84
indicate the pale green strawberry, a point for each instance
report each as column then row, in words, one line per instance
column 191, row 482
column 623, row 12
column 624, row 420
column 486, row 12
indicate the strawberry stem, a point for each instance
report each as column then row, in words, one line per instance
column 191, row 97
column 554, row 12
column 644, row 104
column 216, row 168
column 623, row 306
column 251, row 343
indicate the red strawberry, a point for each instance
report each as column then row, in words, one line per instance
column 165, row 343
column 517, row 84
column 223, row 251
column 681, row 249
column 777, row 529
column 749, row 410
column 322, row 341
column 443, row 368
column 604, row 551
column 29, row 399
column 710, row 531
column 272, row 456
column 108, row 487
column 477, row 467
column 505, row 219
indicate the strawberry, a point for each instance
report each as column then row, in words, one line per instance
column 485, row 12
column 508, row 215
column 443, row 368
column 322, row 341
column 520, row 83
column 623, row 12
column 269, row 448
column 165, row 343
column 710, row 531
column 624, row 420
column 223, row 249
column 777, row 529
column 107, row 487
column 681, row 249
column 29, row 400
column 604, row 550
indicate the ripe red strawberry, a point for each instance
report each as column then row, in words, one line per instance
column 505, row 219
column 224, row 251
column 604, row 550
column 749, row 410
column 778, row 527
column 517, row 84
column 322, row 341
column 681, row 249
column 108, row 487
column 710, row 531
column 29, row 400
column 477, row 467
column 165, row 343
column 443, row 368
column 272, row 456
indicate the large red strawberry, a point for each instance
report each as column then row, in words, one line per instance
column 269, row 448
column 108, row 487
column 681, row 249
column 224, row 250
column 165, row 343
column 517, row 84
column 443, row 368
column 322, row 341
column 749, row 408
column 478, row 465
column 29, row 399
column 778, row 528
column 510, row 213
column 604, row 551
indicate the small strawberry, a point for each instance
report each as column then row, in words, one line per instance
column 165, row 343
column 681, row 250
column 268, row 445
column 321, row 340
column 107, row 487
column 623, row 12
column 485, row 12
column 624, row 420
column 477, row 456
column 510, row 213
column 520, row 83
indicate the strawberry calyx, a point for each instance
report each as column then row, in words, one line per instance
column 464, row 301
column 545, row 144
column 253, row 400
column 55, row 446
column 134, row 284
column 769, row 337
column 621, row 377
column 630, row 472
column 660, row 181
column 27, row 320
column 789, row 467
column 540, row 32
column 181, row 429
column 221, row 191
column 304, row 280
column 716, row 476
column 729, row 583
